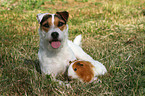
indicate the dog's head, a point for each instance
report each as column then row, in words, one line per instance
column 53, row 28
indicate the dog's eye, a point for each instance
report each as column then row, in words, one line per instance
column 75, row 69
column 60, row 24
column 46, row 25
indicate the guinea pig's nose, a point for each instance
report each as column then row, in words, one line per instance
column 69, row 78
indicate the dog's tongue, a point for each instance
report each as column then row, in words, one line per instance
column 55, row 44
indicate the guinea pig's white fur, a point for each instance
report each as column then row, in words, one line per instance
column 86, row 71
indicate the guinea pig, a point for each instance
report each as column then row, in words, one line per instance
column 86, row 71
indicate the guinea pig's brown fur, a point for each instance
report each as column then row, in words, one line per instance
column 84, row 70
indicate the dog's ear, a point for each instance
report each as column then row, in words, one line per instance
column 40, row 16
column 64, row 15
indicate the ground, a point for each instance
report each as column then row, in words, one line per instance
column 113, row 33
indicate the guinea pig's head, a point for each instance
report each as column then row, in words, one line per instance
column 82, row 70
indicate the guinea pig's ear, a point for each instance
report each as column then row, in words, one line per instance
column 71, row 62
column 80, row 64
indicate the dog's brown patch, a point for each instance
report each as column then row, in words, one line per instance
column 84, row 70
column 59, row 23
column 63, row 15
column 46, row 22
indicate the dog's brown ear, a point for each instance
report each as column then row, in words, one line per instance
column 64, row 15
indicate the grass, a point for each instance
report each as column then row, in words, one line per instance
column 113, row 33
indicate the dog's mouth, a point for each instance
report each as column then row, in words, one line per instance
column 55, row 43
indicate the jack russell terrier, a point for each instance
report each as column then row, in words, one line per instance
column 55, row 49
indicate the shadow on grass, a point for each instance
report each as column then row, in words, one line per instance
column 35, row 63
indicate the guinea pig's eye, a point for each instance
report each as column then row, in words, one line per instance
column 75, row 69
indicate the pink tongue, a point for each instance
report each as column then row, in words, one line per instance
column 55, row 44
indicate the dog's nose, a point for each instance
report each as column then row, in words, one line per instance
column 55, row 35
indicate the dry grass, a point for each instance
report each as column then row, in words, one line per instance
column 113, row 33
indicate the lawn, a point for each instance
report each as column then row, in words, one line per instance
column 113, row 33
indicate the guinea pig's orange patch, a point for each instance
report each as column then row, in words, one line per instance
column 84, row 70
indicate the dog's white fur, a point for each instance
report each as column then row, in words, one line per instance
column 54, row 61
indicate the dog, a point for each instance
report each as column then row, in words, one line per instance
column 55, row 50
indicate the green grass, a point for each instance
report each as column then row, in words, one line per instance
column 113, row 33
